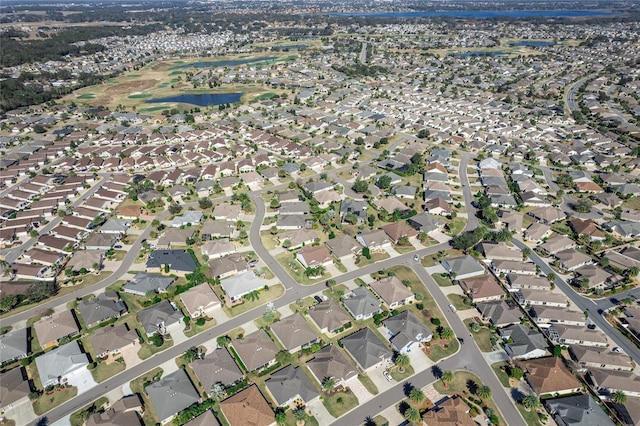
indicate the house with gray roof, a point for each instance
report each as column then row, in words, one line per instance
column 290, row 383
column 15, row 387
column 205, row 419
column 406, row 331
column 61, row 364
column 500, row 313
column 172, row 394
column 425, row 222
column 330, row 363
column 462, row 267
column 179, row 261
column 161, row 318
column 361, row 304
column 256, row 350
column 237, row 286
column 116, row 226
column 144, row 282
column 294, row 333
column 343, row 246
column 366, row 348
column 217, row 368
column 354, row 207
column 328, row 316
column 97, row 309
column 523, row 342
column 14, row 345
column 111, row 340
column 577, row 410
column 227, row 266
column 192, row 217
column 374, row 240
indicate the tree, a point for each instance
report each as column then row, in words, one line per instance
column 531, row 402
column 191, row 354
column 447, row 377
column 205, row 203
column 39, row 291
column 284, row 358
column 582, row 206
column 412, row 415
column 416, row 396
column 223, row 341
column 175, row 208
column 526, row 252
column 274, row 204
column 551, row 277
column 633, row 271
column 331, row 283
column 619, row 397
column 402, row 361
column 300, row 415
column 8, row 302
column 328, row 384
column 384, row 182
column 281, row 418
column 484, row 392
column 351, row 218
column 360, row 186
column 516, row 373
column 447, row 334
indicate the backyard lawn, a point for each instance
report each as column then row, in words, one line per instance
column 274, row 292
column 339, row 403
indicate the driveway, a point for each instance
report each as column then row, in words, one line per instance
column 359, row 390
column 21, row 413
column 82, row 379
column 320, row 412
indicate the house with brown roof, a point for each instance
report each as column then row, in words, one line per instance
column 330, row 363
column 126, row 411
column 374, row 240
column 328, row 316
column 15, row 387
column 298, row 237
column 111, row 340
column 200, row 301
column 572, row 259
column 312, row 256
column 343, row 246
column 557, row 244
column 537, row 232
column 482, row 289
column 437, row 206
column 217, row 368
column 173, row 237
column 398, row 230
column 587, row 227
column 453, row 411
column 256, row 350
column 225, row 211
column 550, row 376
column 547, row 215
column 607, row 382
column 51, row 329
column 294, row 333
column 227, row 266
column 218, row 248
column 247, row 407
column 392, row 292
column 594, row 357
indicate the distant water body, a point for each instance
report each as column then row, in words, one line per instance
column 483, row 14
column 202, row 100
column 229, row 63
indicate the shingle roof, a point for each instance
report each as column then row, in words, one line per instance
column 255, row 349
column 13, row 345
column 293, row 331
column 60, row 362
column 329, row 362
column 172, row 394
column 362, row 302
column 578, row 410
column 247, row 408
column 217, row 367
column 289, row 383
column 178, row 260
column 366, row 348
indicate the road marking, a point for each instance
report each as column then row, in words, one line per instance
column 289, row 288
column 594, row 302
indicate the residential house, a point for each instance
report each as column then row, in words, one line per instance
column 217, row 229
column 61, row 365
column 354, row 207
column 290, row 384
column 392, row 292
column 217, row 368
column 15, row 345
column 15, row 387
column 113, row 339
column 200, row 301
column 239, row 285
column 227, row 266
column 247, row 407
column 533, row 297
column 523, row 342
column 499, row 251
column 174, row 237
column 499, row 313
column 328, row 316
column 190, row 217
column 513, row 267
column 462, row 267
column 366, row 348
column 172, row 394
column 406, row 332
column 549, row 375
column 546, row 315
column 330, row 363
column 453, row 411
column 375, row 240
column 437, row 206
column 299, row 237
column 126, row 411
column 361, row 304
column 571, row 259
column 256, row 350
column 520, row 281
column 162, row 318
column 103, row 307
column 537, row 232
column 587, row 227
column 117, row 227
column 547, row 215
column 143, row 282
column 399, row 230
column 218, row 248
column 607, row 381
column 482, row 289
column 294, row 333
column 557, row 244
column 343, row 246
column 313, row 256
column 179, row 262
column 225, row 211
column 50, row 329
column 512, row 220
column 87, row 260
column 597, row 277
column 589, row 357
column 568, row 335
column 577, row 410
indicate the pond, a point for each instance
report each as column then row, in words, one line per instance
column 228, row 63
column 203, row 100
column 531, row 43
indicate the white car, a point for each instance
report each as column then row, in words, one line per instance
column 387, row 376
column 416, row 258
column 453, row 308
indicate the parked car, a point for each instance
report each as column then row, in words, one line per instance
column 453, row 308
column 387, row 376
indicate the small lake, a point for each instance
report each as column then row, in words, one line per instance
column 482, row 14
column 492, row 53
column 229, row 63
column 203, row 100
column 531, row 43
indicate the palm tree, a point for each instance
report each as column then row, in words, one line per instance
column 526, row 252
column 447, row 334
column 402, row 361
column 412, row 415
column 328, row 384
column 281, row 418
column 300, row 415
column 484, row 392
column 417, row 396
column 633, row 271
column 447, row 377
column 531, row 402
column 551, row 276
column 619, row 397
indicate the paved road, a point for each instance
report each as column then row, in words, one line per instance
column 363, row 53
column 10, row 255
column 585, row 304
column 572, row 104
column 472, row 219
column 567, row 201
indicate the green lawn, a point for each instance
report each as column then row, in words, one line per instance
column 398, row 376
column 442, row 281
column 296, row 270
column 195, row 328
column 103, row 371
column 148, row 349
column 46, row 402
column 77, row 418
column 291, row 420
column 368, row 384
column 273, row 293
column 482, row 337
column 460, row 302
column 498, row 368
column 375, row 257
column 339, row 403
column 269, row 241
column 404, row 249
